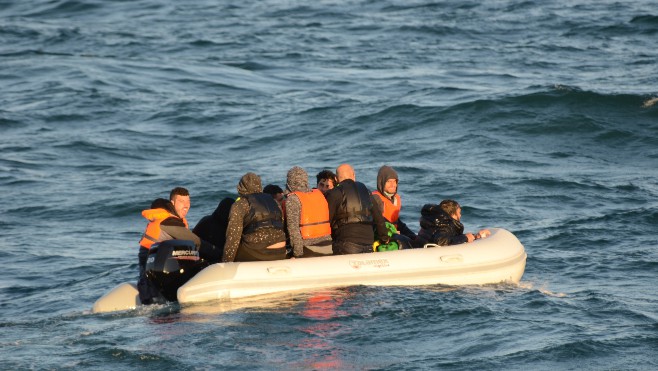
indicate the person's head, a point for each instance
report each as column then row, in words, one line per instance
column 387, row 181
column 452, row 208
column 297, row 180
column 180, row 198
column 161, row 203
column 345, row 171
column 275, row 191
column 249, row 183
column 326, row 180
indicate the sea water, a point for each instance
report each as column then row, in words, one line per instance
column 539, row 117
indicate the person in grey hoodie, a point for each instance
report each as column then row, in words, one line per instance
column 307, row 217
column 255, row 226
column 389, row 200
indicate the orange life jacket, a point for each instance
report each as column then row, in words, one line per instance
column 391, row 209
column 314, row 215
column 153, row 233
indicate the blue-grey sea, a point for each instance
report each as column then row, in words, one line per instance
column 540, row 117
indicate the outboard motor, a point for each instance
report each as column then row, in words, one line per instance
column 170, row 264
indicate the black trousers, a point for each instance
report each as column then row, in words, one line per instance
column 148, row 293
column 346, row 247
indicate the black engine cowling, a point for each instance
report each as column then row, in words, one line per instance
column 170, row 264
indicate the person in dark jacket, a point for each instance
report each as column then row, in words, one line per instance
column 388, row 200
column 441, row 225
column 352, row 213
column 255, row 225
column 212, row 228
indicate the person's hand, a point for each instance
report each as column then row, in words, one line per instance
column 470, row 237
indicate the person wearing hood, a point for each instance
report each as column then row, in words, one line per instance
column 212, row 228
column 164, row 224
column 388, row 200
column 307, row 217
column 441, row 224
column 352, row 214
column 255, row 229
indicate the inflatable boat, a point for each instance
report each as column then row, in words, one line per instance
column 495, row 259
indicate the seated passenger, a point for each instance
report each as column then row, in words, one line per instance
column 212, row 228
column 275, row 191
column 326, row 181
column 255, row 225
column 353, row 215
column 307, row 217
column 164, row 224
column 441, row 224
column 388, row 200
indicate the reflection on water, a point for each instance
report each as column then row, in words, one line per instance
column 318, row 312
column 323, row 307
column 214, row 307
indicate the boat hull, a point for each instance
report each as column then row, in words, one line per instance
column 497, row 258
column 123, row 297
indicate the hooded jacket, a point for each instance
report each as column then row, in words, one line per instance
column 307, row 216
column 390, row 204
column 437, row 227
column 255, row 222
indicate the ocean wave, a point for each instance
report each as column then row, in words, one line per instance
column 435, row 30
column 646, row 24
column 649, row 20
column 560, row 110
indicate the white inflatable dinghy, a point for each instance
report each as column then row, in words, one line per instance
column 495, row 259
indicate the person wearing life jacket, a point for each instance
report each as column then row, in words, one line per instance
column 388, row 200
column 164, row 223
column 307, row 217
column 353, row 214
column 255, row 226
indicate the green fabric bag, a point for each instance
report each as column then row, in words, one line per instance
column 391, row 245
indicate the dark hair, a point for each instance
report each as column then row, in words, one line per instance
column 161, row 203
column 272, row 189
column 326, row 174
column 178, row 191
column 449, row 206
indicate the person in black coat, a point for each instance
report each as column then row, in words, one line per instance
column 441, row 225
column 353, row 214
column 212, row 228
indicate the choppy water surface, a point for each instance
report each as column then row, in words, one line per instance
column 539, row 117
